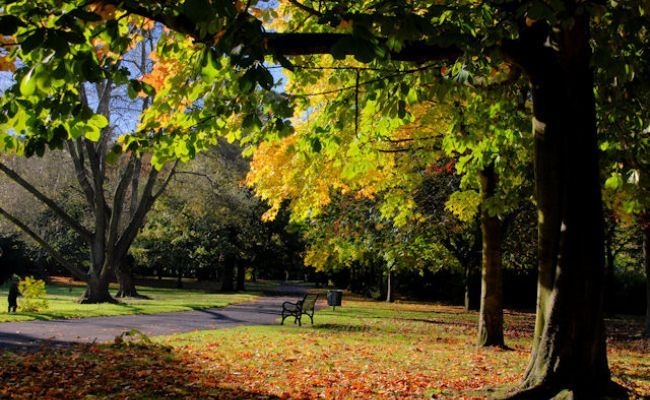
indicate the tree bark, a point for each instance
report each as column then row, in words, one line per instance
column 490, row 327
column 124, row 274
column 227, row 284
column 389, row 286
column 96, row 292
column 645, row 227
column 241, row 276
column 569, row 352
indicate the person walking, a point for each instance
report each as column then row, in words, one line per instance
column 13, row 295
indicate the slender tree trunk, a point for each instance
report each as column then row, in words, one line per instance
column 609, row 266
column 228, row 274
column 389, row 286
column 490, row 327
column 569, row 356
column 466, row 298
column 470, row 279
column 646, row 261
column 241, row 276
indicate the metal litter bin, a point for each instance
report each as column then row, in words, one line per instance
column 334, row 298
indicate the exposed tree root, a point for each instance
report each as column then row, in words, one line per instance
column 132, row 295
column 609, row 391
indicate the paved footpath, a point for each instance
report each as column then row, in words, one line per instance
column 34, row 334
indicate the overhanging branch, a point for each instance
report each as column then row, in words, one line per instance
column 300, row 44
column 291, row 44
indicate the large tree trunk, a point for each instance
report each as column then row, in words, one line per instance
column 569, row 353
column 127, row 284
column 490, row 327
column 124, row 274
column 96, row 291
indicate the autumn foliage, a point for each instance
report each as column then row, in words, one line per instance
column 364, row 350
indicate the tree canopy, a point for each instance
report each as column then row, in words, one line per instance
column 223, row 86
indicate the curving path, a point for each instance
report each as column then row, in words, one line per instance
column 34, row 334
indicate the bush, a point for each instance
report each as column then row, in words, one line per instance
column 33, row 294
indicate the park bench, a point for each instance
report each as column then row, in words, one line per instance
column 297, row 309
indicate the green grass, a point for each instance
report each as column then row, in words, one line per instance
column 63, row 304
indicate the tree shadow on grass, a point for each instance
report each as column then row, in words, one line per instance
column 137, row 370
column 343, row 328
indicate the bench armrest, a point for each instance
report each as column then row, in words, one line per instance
column 289, row 306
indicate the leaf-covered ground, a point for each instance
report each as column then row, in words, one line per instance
column 360, row 351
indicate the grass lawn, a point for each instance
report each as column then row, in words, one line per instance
column 363, row 350
column 62, row 299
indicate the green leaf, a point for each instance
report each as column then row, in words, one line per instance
column 113, row 156
column 209, row 66
column 28, row 84
column 316, row 145
column 133, row 88
column 250, row 121
column 401, row 109
column 614, row 182
column 33, row 41
column 9, row 24
column 98, row 121
column 57, row 42
column 92, row 133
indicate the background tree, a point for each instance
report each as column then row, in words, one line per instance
column 113, row 209
column 624, row 121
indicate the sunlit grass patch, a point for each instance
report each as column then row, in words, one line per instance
column 63, row 303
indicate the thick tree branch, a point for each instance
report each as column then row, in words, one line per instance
column 165, row 183
column 299, row 44
column 77, row 154
column 78, row 273
column 80, row 229
column 290, row 44
column 118, row 203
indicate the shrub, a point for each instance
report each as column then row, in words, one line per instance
column 33, row 294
